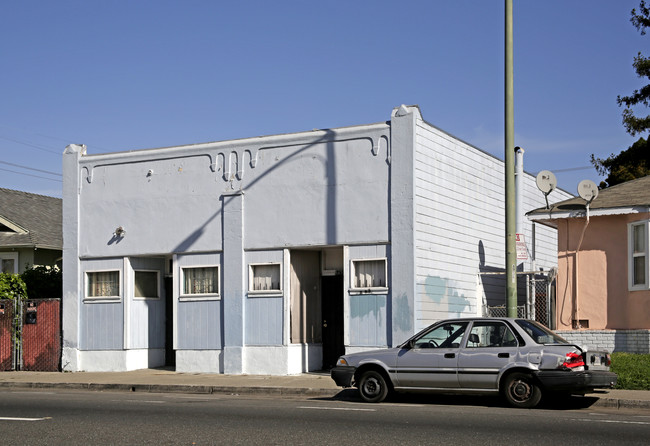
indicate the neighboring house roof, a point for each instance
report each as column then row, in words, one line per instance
column 30, row 220
column 631, row 197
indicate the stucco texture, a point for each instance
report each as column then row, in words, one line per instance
column 592, row 281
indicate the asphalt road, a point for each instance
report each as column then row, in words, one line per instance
column 81, row 417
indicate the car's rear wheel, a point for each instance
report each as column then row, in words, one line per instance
column 520, row 390
column 373, row 387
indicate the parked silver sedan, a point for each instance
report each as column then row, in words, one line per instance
column 518, row 358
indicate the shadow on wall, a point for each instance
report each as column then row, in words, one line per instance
column 402, row 314
column 493, row 280
column 632, row 341
column 331, row 180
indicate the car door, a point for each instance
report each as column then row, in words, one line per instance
column 489, row 348
column 430, row 360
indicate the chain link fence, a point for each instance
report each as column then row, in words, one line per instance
column 6, row 335
column 535, row 295
column 30, row 335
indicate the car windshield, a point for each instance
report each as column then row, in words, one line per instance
column 539, row 333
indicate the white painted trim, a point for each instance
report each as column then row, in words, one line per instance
column 196, row 297
column 158, row 283
column 90, row 299
column 630, row 255
column 175, row 297
column 346, row 295
column 128, row 298
column 578, row 213
column 272, row 292
column 286, row 272
column 372, row 289
column 13, row 226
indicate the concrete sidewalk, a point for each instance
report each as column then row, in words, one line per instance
column 318, row 384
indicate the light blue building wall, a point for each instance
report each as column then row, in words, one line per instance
column 274, row 254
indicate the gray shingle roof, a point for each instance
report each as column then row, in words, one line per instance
column 634, row 193
column 38, row 215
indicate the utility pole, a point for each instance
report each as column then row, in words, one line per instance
column 511, row 254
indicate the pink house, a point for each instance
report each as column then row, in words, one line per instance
column 603, row 276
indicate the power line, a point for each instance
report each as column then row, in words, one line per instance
column 30, row 175
column 32, row 145
column 31, row 168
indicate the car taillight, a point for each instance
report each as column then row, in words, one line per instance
column 608, row 360
column 573, row 360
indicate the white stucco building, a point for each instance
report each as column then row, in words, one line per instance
column 275, row 254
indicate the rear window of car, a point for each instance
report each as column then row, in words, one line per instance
column 539, row 333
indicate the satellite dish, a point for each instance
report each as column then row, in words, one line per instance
column 546, row 181
column 587, row 190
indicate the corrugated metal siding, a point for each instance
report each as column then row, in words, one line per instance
column 368, row 320
column 101, row 323
column 102, row 326
column 264, row 321
column 460, row 224
column 264, row 314
column 147, row 324
column 199, row 325
column 147, row 316
column 368, row 312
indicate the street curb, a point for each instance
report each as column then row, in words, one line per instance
column 622, row 404
column 171, row 388
column 279, row 392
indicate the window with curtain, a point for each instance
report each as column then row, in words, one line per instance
column 265, row 277
column 201, row 281
column 368, row 274
column 146, row 284
column 103, row 284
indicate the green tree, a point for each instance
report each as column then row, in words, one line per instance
column 635, row 161
column 12, row 287
column 43, row 282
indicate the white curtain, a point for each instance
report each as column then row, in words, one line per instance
column 105, row 283
column 266, row 277
column 201, row 280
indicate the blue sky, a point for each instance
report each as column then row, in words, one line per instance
column 124, row 75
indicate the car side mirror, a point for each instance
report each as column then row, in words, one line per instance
column 473, row 337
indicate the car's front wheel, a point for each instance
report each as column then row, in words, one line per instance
column 520, row 390
column 373, row 387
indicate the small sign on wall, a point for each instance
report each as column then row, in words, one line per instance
column 522, row 251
